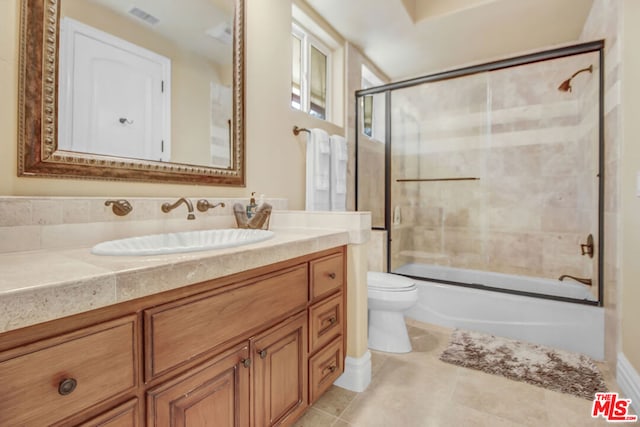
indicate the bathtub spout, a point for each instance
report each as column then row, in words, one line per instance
column 587, row 282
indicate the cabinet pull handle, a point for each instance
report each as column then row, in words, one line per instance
column 333, row 320
column 263, row 354
column 331, row 369
column 332, row 275
column 67, row 386
column 246, row 362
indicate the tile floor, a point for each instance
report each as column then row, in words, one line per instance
column 417, row 389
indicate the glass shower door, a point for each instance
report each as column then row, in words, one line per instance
column 439, row 149
column 497, row 172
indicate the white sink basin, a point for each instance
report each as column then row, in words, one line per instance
column 187, row 241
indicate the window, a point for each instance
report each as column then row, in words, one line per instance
column 373, row 107
column 310, row 74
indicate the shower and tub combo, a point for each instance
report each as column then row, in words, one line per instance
column 487, row 181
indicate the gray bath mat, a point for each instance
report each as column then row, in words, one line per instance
column 534, row 364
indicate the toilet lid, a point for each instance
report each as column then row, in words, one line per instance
column 389, row 282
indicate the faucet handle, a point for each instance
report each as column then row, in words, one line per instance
column 204, row 205
column 119, row 207
column 587, row 249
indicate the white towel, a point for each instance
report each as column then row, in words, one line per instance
column 339, row 160
column 318, row 196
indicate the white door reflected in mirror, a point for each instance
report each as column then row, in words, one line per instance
column 151, row 81
column 115, row 96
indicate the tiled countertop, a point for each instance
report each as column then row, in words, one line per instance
column 37, row 286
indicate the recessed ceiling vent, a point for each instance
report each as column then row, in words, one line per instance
column 146, row 17
column 221, row 32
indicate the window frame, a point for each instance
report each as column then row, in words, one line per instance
column 308, row 39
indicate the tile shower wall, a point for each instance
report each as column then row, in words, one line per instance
column 604, row 22
column 371, row 152
column 534, row 150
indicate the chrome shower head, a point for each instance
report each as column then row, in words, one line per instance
column 565, row 86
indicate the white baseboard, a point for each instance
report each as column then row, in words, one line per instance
column 357, row 373
column 629, row 381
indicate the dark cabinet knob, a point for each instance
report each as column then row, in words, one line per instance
column 246, row 362
column 333, row 320
column 67, row 386
column 332, row 275
column 263, row 354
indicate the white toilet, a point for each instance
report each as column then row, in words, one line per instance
column 389, row 295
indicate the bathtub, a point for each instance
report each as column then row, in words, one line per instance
column 565, row 325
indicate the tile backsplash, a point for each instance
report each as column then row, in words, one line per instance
column 33, row 223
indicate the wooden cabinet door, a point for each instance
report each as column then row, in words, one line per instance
column 280, row 372
column 125, row 415
column 216, row 393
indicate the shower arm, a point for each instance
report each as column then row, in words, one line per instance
column 565, row 86
column 589, row 69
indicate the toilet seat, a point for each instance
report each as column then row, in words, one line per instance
column 389, row 282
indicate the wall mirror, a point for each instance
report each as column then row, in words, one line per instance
column 145, row 90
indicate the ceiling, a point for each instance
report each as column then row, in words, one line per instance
column 185, row 23
column 409, row 38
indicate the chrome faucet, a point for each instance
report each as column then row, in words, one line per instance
column 168, row 207
column 577, row 279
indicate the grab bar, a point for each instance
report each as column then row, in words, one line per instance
column 437, row 179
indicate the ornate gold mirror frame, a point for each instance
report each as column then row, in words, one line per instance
column 38, row 153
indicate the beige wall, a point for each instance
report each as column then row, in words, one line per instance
column 630, row 165
column 356, row 300
column 275, row 158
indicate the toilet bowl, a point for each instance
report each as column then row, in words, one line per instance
column 389, row 295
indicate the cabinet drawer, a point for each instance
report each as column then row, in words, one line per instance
column 326, row 321
column 181, row 331
column 327, row 275
column 54, row 379
column 324, row 368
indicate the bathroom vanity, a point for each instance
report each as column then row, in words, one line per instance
column 252, row 348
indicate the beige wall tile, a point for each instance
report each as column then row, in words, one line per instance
column 377, row 250
column 15, row 212
column 20, row 238
column 515, row 252
column 46, row 212
column 75, row 211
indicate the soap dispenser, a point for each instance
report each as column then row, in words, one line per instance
column 252, row 206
